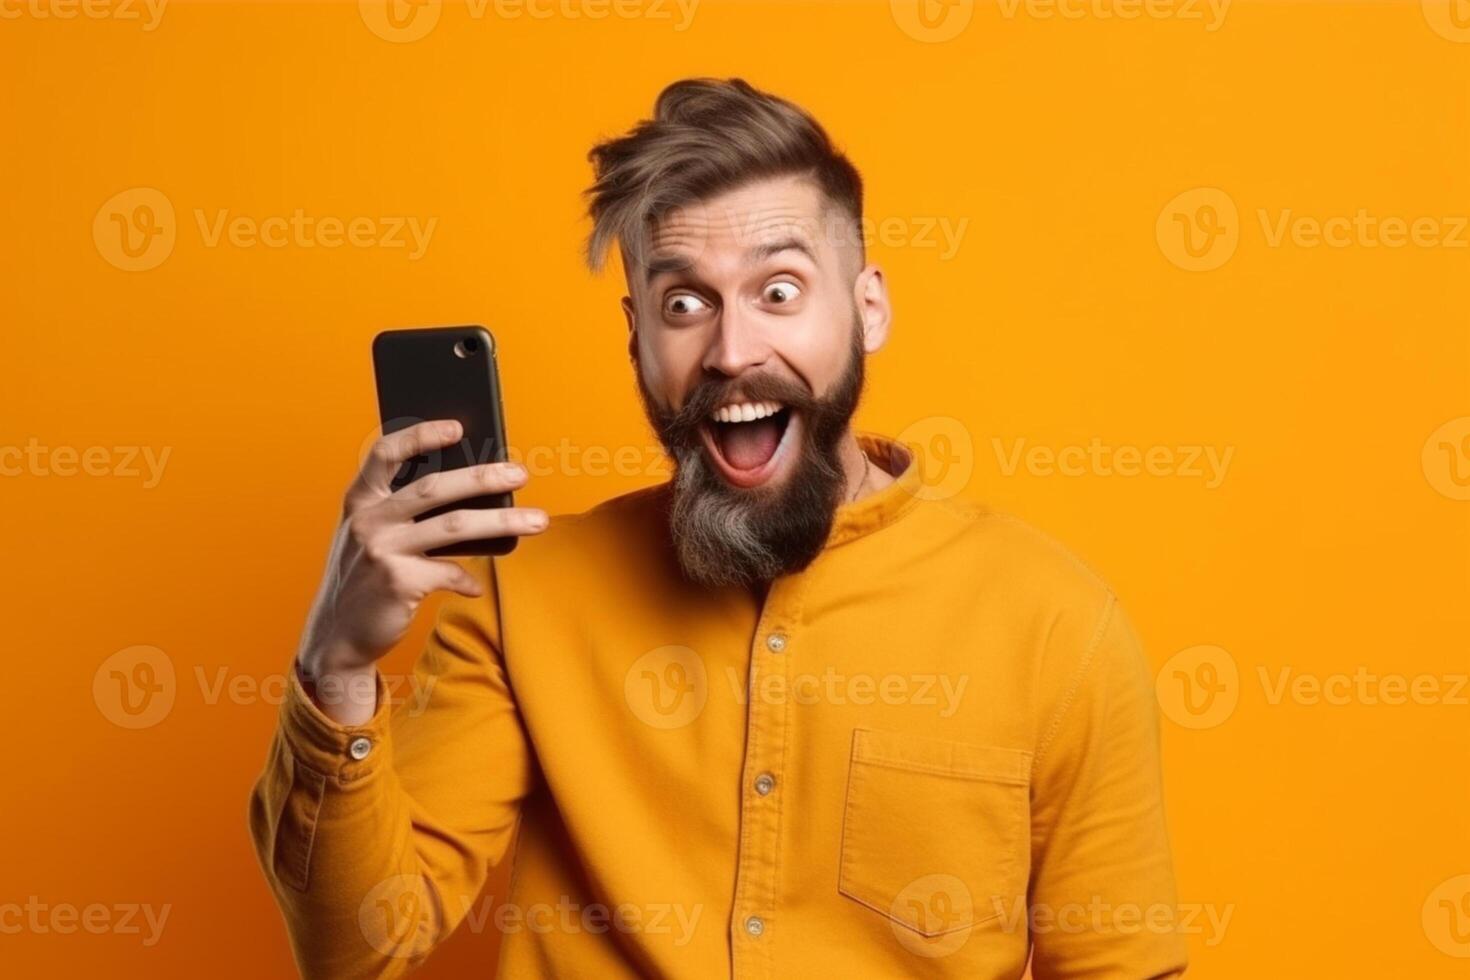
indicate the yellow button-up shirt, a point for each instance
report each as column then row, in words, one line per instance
column 933, row 752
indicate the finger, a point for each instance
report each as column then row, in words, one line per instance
column 447, row 575
column 435, row 489
column 470, row 524
column 392, row 450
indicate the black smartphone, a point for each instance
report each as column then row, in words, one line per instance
column 445, row 373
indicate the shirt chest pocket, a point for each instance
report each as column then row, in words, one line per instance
column 936, row 834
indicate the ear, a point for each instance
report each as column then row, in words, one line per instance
column 870, row 298
column 632, row 319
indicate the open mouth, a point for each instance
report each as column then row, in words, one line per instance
column 749, row 440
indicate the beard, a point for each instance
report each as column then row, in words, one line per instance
column 728, row 535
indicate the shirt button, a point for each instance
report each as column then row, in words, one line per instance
column 764, row 783
column 755, row 925
column 776, row 642
column 359, row 748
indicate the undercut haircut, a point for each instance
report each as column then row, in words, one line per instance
column 707, row 136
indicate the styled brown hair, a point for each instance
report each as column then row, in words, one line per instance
column 707, row 135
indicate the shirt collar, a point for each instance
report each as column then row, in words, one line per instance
column 867, row 514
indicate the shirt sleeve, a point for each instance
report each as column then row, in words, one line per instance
column 377, row 838
column 1102, row 899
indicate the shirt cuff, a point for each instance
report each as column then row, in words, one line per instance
column 346, row 753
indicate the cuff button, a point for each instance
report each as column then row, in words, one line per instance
column 359, row 748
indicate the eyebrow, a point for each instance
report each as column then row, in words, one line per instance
column 660, row 264
column 677, row 263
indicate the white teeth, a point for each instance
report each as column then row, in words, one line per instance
column 745, row 411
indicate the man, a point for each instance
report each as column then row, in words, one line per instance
column 778, row 716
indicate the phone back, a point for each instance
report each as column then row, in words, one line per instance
column 445, row 373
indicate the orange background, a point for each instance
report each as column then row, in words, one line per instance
column 1336, row 540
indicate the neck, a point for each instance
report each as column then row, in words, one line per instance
column 861, row 476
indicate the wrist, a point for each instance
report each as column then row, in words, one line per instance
column 344, row 689
column 331, row 657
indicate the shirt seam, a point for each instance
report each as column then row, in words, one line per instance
column 933, row 770
column 1084, row 670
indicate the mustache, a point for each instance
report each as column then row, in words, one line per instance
column 681, row 428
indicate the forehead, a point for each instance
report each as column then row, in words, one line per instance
column 739, row 226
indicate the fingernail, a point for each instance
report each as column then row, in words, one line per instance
column 515, row 471
column 538, row 522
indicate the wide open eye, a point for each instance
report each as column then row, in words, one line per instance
column 684, row 304
column 780, row 293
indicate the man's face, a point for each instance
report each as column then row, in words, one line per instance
column 749, row 324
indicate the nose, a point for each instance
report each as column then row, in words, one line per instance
column 738, row 344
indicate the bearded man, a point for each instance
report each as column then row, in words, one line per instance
column 785, row 715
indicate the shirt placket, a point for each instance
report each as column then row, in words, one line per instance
column 755, row 921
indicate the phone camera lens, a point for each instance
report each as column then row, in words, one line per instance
column 468, row 347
